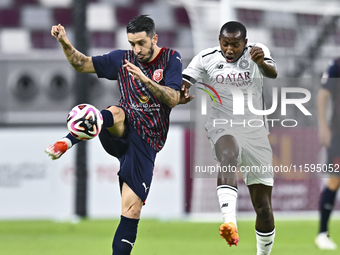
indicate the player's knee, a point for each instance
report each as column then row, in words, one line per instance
column 117, row 113
column 227, row 157
column 333, row 183
column 132, row 212
column 264, row 211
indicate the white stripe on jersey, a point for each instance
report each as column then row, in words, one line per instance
column 210, row 67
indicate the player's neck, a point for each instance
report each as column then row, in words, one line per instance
column 155, row 53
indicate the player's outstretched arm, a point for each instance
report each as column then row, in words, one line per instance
column 267, row 67
column 166, row 94
column 78, row 60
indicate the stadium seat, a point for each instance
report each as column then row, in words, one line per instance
column 9, row 18
column 5, row 4
column 43, row 40
column 63, row 16
column 308, row 19
column 14, row 40
column 166, row 38
column 250, row 17
column 181, row 16
column 25, row 2
column 140, row 2
column 162, row 13
column 54, row 3
column 125, row 14
column 283, row 37
column 103, row 40
column 101, row 17
column 36, row 18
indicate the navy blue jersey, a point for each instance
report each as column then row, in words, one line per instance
column 148, row 115
column 332, row 83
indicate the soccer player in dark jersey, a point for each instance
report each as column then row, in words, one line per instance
column 149, row 79
column 329, row 136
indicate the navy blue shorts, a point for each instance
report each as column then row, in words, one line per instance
column 333, row 155
column 136, row 159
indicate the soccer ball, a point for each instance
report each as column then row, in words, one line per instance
column 84, row 121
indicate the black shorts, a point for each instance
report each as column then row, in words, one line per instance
column 136, row 159
column 333, row 156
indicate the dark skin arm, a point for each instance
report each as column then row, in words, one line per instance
column 267, row 67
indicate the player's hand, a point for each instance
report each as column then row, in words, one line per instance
column 185, row 95
column 325, row 136
column 257, row 55
column 135, row 72
column 58, row 32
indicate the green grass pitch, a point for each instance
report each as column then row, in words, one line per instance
column 154, row 238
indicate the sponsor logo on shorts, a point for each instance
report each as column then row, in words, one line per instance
column 146, row 188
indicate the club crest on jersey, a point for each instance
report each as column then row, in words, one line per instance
column 244, row 64
column 158, row 75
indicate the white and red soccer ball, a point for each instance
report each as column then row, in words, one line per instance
column 84, row 121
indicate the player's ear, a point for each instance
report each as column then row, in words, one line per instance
column 245, row 42
column 155, row 39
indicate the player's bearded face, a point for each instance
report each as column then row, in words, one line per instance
column 142, row 45
column 145, row 58
column 232, row 45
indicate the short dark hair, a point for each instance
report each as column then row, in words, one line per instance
column 141, row 23
column 233, row 27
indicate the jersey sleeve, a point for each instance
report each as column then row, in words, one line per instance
column 173, row 72
column 266, row 51
column 194, row 71
column 329, row 80
column 107, row 65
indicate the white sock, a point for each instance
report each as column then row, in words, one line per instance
column 227, row 196
column 265, row 242
column 67, row 141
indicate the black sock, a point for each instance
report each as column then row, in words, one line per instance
column 125, row 236
column 326, row 207
column 72, row 139
column 107, row 118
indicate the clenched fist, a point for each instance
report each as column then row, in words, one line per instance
column 257, row 55
column 59, row 33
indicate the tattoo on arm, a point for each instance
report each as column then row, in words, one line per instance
column 76, row 58
column 167, row 95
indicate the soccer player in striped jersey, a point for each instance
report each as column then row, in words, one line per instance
column 149, row 79
column 238, row 67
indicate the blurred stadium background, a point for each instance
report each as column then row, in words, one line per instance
column 37, row 90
